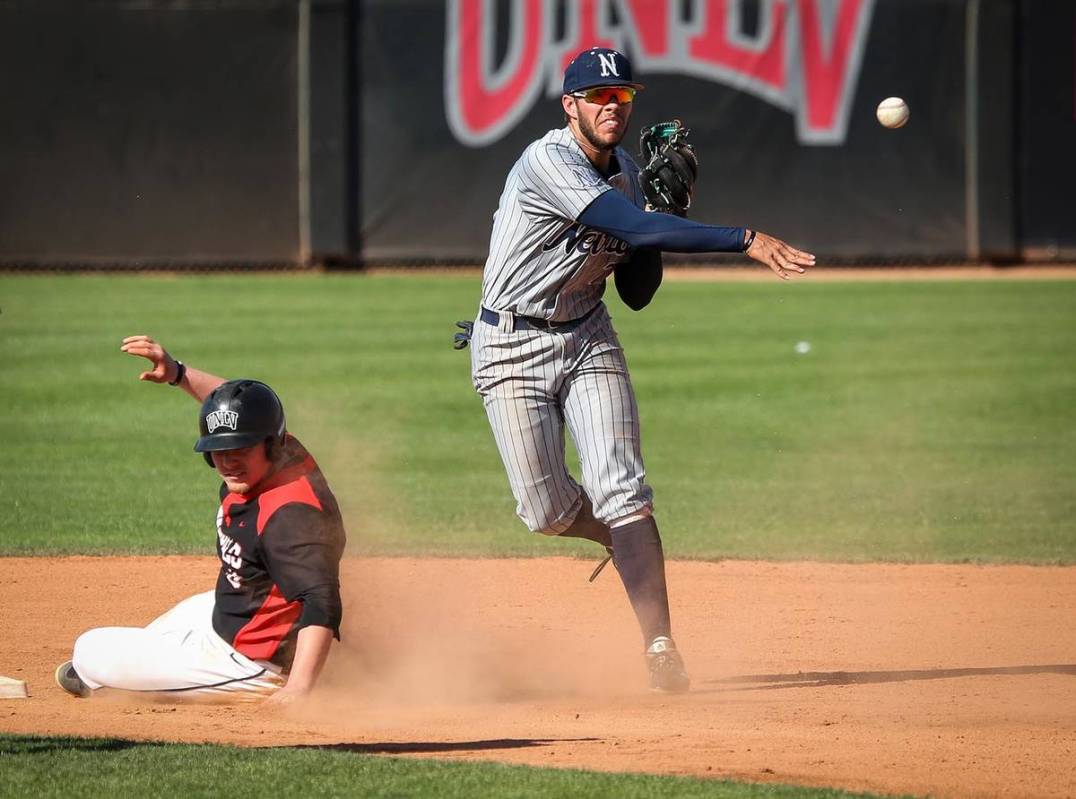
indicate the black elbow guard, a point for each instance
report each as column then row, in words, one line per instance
column 637, row 279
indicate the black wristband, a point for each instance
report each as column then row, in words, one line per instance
column 181, row 371
column 750, row 240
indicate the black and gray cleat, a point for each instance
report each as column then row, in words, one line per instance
column 667, row 674
column 68, row 679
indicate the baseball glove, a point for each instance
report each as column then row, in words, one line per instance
column 668, row 179
column 461, row 340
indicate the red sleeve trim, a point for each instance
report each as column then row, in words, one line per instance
column 270, row 502
column 260, row 637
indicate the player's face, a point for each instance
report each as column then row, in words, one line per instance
column 242, row 469
column 603, row 118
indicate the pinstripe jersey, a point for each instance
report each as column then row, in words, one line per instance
column 542, row 262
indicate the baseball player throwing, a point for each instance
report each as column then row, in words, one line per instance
column 544, row 352
column 267, row 628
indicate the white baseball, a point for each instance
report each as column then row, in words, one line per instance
column 893, row 112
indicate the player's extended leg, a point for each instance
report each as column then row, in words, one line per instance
column 603, row 418
column 178, row 654
column 517, row 374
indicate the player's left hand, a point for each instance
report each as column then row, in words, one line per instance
column 780, row 257
column 164, row 365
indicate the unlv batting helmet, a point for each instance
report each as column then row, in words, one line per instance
column 237, row 414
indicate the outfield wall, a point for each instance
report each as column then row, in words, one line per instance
column 148, row 133
column 292, row 132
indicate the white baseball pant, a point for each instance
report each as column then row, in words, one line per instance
column 178, row 655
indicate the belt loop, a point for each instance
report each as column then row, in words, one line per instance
column 506, row 321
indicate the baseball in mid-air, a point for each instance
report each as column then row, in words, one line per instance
column 893, row 112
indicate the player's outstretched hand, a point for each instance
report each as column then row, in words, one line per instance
column 285, row 697
column 164, row 365
column 780, row 257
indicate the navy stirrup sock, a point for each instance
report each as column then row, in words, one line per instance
column 638, row 556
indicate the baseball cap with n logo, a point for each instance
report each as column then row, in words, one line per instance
column 598, row 66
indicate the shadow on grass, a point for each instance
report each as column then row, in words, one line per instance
column 37, row 745
column 429, row 747
column 820, row 679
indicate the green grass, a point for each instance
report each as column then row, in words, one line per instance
column 67, row 768
column 931, row 421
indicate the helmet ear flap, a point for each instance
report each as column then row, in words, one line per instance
column 209, row 460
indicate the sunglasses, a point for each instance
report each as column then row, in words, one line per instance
column 603, row 95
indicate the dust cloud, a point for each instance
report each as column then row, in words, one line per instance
column 443, row 632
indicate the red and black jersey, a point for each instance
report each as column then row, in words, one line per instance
column 280, row 549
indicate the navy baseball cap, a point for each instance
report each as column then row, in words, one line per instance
column 598, row 66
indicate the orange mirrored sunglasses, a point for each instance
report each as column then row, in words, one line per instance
column 603, row 95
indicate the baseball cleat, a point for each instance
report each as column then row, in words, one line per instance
column 68, row 679
column 667, row 674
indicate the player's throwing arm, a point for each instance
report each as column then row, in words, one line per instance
column 668, row 181
column 613, row 214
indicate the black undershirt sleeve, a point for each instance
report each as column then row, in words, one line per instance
column 638, row 278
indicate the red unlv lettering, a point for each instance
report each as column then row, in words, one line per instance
column 804, row 56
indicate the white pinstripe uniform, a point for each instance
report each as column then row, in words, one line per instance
column 543, row 264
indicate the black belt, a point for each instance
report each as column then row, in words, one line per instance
column 534, row 323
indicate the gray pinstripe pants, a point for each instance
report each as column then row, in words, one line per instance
column 531, row 383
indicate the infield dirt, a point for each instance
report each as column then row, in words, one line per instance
column 948, row 680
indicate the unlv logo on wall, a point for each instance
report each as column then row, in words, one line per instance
column 804, row 57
